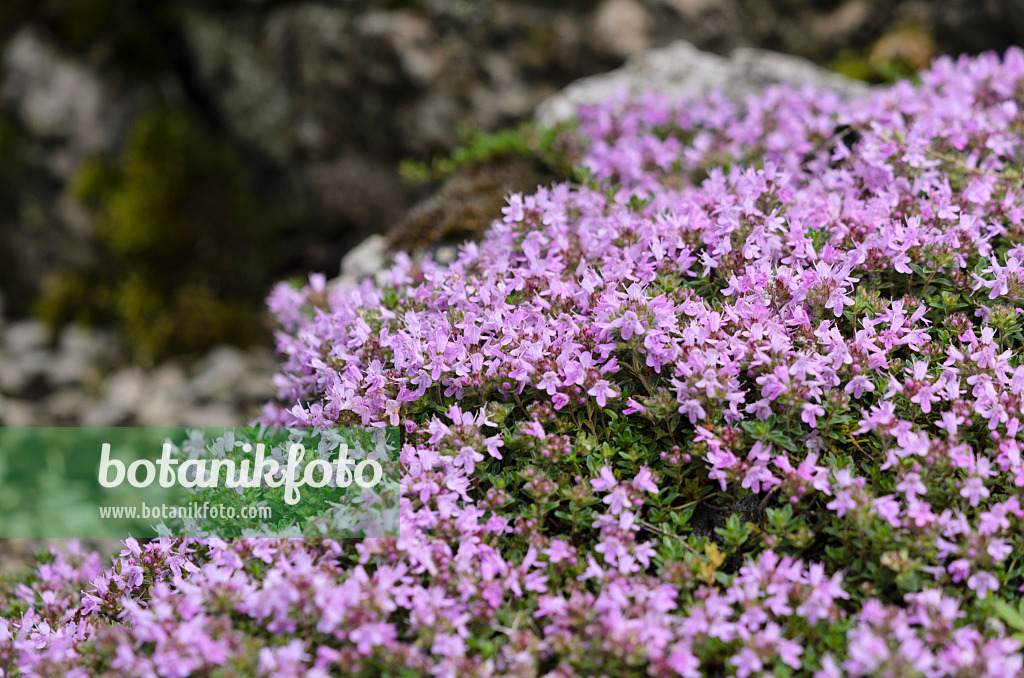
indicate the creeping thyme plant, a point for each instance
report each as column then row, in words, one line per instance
column 744, row 400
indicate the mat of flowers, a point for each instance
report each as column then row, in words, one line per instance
column 744, row 399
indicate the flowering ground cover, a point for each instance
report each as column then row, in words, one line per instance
column 743, row 400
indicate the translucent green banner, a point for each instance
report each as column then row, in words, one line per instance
column 214, row 482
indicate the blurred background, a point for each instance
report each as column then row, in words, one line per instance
column 163, row 162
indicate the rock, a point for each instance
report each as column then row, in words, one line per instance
column 365, row 259
column 257, row 386
column 504, row 97
column 317, row 39
column 354, row 190
column 468, row 202
column 410, row 38
column 974, row 25
column 689, row 9
column 219, row 373
column 77, row 357
column 23, row 374
column 68, row 369
column 682, row 70
column 87, row 345
column 25, row 336
column 429, row 123
column 125, row 390
column 54, row 387
column 256, row 389
column 754, row 69
column 102, row 414
column 445, row 254
column 911, row 45
column 621, row 27
column 17, row 413
column 169, row 396
column 841, row 22
column 63, row 408
column 213, row 416
column 59, row 98
column 248, row 93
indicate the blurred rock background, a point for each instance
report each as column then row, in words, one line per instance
column 163, row 162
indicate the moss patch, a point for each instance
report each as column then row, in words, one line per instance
column 188, row 246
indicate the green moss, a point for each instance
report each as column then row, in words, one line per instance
column 898, row 55
column 188, row 246
column 528, row 140
column 860, row 67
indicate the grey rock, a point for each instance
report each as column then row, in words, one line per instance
column 71, row 384
column 125, row 390
column 355, row 188
column 621, row 27
column 410, row 38
column 505, row 96
column 218, row 375
column 213, row 415
column 249, row 94
column 445, row 254
column 755, row 69
column 690, row 9
column 257, row 388
column 86, row 345
column 317, row 39
column 843, row 20
column 25, row 336
column 974, row 23
column 101, row 413
column 365, row 259
column 262, row 361
column 24, row 371
column 59, row 98
column 68, row 369
column 169, row 396
column 17, row 413
column 681, row 70
column 64, row 407
column 429, row 123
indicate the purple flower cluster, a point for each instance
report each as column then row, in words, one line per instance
column 784, row 309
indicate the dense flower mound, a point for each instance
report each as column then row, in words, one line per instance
column 744, row 400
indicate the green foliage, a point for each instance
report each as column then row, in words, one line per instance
column 528, row 140
column 1011, row 616
column 703, row 534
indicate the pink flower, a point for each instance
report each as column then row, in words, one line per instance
column 605, row 480
column 602, row 390
column 644, row 482
column 682, row 660
column 810, row 413
column 982, row 583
